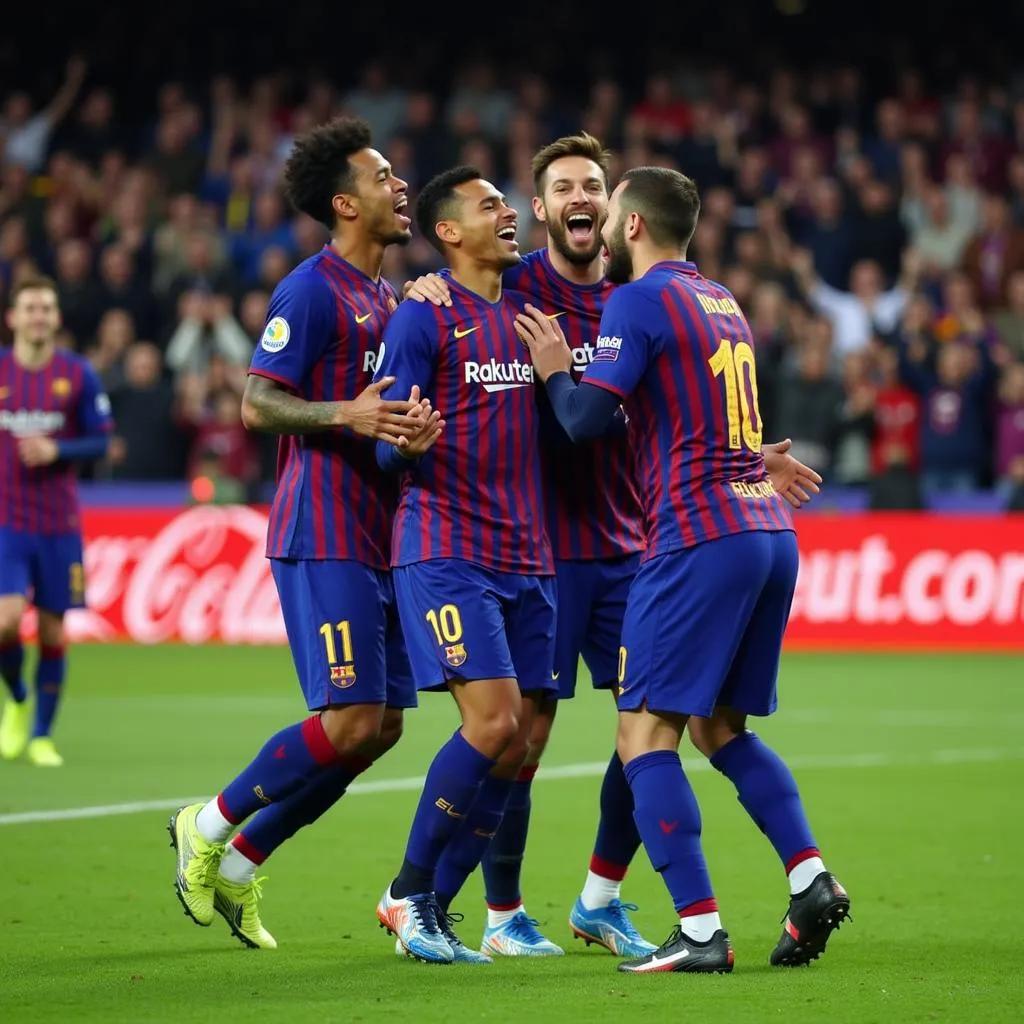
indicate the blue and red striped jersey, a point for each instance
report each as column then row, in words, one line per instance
column 63, row 400
column 591, row 498
column 320, row 341
column 676, row 348
column 476, row 495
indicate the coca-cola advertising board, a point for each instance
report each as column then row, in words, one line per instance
column 878, row 581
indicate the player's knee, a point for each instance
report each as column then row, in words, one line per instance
column 709, row 735
column 493, row 733
column 51, row 629
column 353, row 728
column 11, row 611
column 391, row 727
column 540, row 733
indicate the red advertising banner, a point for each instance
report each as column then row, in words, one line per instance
column 866, row 581
column 910, row 581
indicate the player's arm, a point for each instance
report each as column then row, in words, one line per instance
column 407, row 362
column 92, row 418
column 592, row 408
column 301, row 326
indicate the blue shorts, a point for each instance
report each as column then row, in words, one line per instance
column 704, row 626
column 591, row 607
column 463, row 621
column 48, row 566
column 342, row 626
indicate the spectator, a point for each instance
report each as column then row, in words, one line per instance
column 25, row 135
column 1009, row 456
column 879, row 234
column 896, row 438
column 938, row 239
column 995, row 253
column 810, row 401
column 148, row 444
column 954, row 442
column 1009, row 320
column 856, row 425
column 207, row 329
column 865, row 310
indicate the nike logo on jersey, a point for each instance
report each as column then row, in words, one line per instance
column 668, row 827
column 554, row 676
column 469, row 330
column 554, row 316
column 362, row 319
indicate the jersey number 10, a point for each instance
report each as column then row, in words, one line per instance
column 744, row 417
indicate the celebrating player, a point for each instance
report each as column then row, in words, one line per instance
column 53, row 414
column 707, row 611
column 473, row 569
column 329, row 529
column 595, row 522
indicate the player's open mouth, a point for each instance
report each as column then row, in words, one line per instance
column 400, row 207
column 508, row 234
column 580, row 227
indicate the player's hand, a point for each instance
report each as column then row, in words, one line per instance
column 543, row 336
column 370, row 416
column 431, row 426
column 792, row 479
column 37, row 451
column 429, row 288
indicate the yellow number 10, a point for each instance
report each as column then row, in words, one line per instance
column 446, row 623
column 729, row 361
column 344, row 630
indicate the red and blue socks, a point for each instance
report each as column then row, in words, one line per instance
column 617, row 839
column 668, row 820
column 274, row 825
column 503, row 860
column 450, row 789
column 768, row 792
column 288, row 760
column 467, row 847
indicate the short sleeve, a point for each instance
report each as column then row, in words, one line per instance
column 302, row 324
column 624, row 344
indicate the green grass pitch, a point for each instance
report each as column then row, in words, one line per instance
column 912, row 768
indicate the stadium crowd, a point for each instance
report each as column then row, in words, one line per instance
column 874, row 239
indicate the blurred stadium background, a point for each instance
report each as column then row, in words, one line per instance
column 862, row 170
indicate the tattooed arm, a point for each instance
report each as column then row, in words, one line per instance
column 267, row 407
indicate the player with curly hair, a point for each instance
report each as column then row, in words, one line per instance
column 329, row 535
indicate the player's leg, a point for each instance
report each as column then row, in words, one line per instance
column 467, row 847
column 15, row 578
column 684, row 622
column 506, row 933
column 59, row 584
column 503, row 863
column 599, row 915
column 530, row 626
column 454, row 626
column 764, row 784
column 271, row 826
column 336, row 624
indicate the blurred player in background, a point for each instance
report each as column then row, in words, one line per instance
column 53, row 414
column 329, row 531
column 706, row 614
column 473, row 571
column 594, row 519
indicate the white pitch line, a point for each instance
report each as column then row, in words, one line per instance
column 587, row 769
